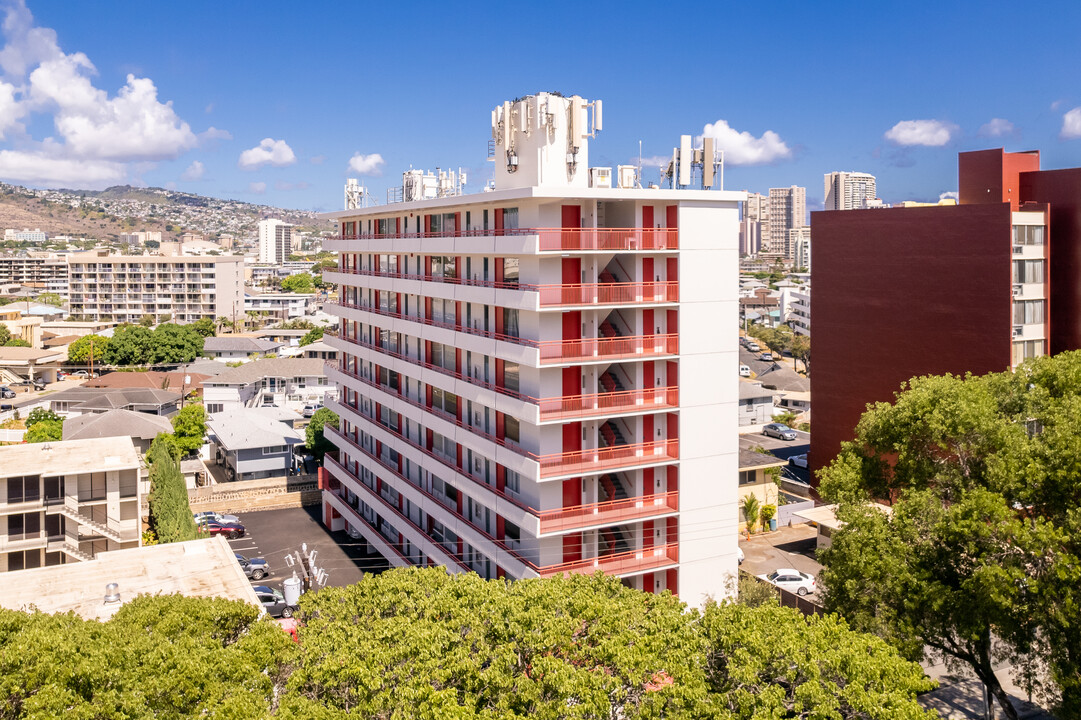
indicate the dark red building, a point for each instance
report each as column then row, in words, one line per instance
column 974, row 287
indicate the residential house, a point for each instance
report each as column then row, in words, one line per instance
column 230, row 348
column 271, row 382
column 82, row 400
column 141, row 427
column 251, row 444
column 755, row 404
column 756, row 472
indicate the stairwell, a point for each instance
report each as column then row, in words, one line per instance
column 611, row 436
column 69, row 510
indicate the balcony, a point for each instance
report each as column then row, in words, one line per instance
column 627, row 293
column 554, row 352
column 610, row 403
column 557, row 239
column 633, row 562
column 598, row 460
column 612, row 512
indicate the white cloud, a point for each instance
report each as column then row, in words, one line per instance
column 930, row 133
column 658, row 161
column 950, row 195
column 97, row 136
column 41, row 169
column 743, row 148
column 213, row 133
column 1071, row 124
column 268, row 152
column 366, row 164
column 257, row 187
column 195, row 171
column 996, row 127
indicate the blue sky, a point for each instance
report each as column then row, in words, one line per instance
column 270, row 102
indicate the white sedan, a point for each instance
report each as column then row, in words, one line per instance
column 791, row 580
column 799, row 461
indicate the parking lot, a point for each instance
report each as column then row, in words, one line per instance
column 273, row 534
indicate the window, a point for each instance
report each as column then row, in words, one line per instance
column 747, row 477
column 512, row 376
column 1028, row 312
column 513, row 482
column 510, row 271
column 445, row 401
column 1026, row 349
column 511, row 532
column 275, row 449
column 23, row 489
column 1028, row 234
column 212, row 408
column 512, row 429
column 1028, row 271
column 510, row 218
column 510, row 322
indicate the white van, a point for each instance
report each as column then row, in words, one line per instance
column 744, row 371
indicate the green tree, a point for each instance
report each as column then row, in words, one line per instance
column 170, row 513
column 750, row 511
column 87, row 349
column 299, row 283
column 173, row 343
column 40, row 414
column 17, row 342
column 5, row 335
column 44, row 431
column 49, row 299
column 165, row 442
column 189, row 428
column 311, row 336
column 979, row 559
column 163, row 656
column 318, row 445
column 146, row 321
column 204, row 326
column 130, row 345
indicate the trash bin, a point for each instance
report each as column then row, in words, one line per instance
column 772, row 524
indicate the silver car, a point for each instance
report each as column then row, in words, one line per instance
column 780, row 431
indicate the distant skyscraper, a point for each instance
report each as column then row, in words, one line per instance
column 849, row 190
column 275, row 241
column 754, row 226
column 787, row 211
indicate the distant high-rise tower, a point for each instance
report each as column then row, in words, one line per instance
column 275, row 241
column 754, row 226
column 787, row 212
column 849, row 191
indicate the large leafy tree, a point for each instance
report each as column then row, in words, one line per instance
column 299, row 283
column 172, row 343
column 88, row 348
column 170, row 513
column 979, row 557
column 317, row 444
column 47, row 430
column 313, row 335
column 204, row 326
column 189, row 428
column 130, row 345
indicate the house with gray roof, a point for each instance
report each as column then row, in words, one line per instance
column 250, row 443
column 81, row 400
column 755, row 404
column 231, row 348
column 289, row 383
column 142, row 428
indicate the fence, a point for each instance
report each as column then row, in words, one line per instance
column 14, row 436
column 786, row 511
column 263, row 494
column 788, row 599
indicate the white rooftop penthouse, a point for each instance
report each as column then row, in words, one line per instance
column 540, row 378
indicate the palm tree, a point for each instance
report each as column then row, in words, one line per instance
column 750, row 512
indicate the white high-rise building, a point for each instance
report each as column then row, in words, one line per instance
column 275, row 241
column 849, row 191
column 540, row 379
column 787, row 212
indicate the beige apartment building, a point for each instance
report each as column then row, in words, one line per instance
column 44, row 270
column 124, row 288
column 68, row 501
column 787, row 212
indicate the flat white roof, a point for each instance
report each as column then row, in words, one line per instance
column 197, row 568
column 826, row 515
column 545, row 193
column 69, row 457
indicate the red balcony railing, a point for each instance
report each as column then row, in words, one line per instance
column 559, row 239
column 578, row 406
column 608, row 293
column 359, row 519
column 642, row 560
column 602, row 348
column 611, row 512
column 598, row 460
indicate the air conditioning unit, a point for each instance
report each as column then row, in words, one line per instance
column 1018, row 330
column 1018, row 290
column 600, row 177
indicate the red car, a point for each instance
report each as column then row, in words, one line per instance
column 229, row 530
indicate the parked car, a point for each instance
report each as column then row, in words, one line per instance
column 739, row 555
column 744, row 371
column 753, row 346
column 35, row 383
column 274, row 602
column 799, row 461
column 6, row 406
column 767, row 357
column 255, row 568
column 310, row 409
column 83, row 374
column 779, row 430
column 229, row 530
column 791, row 580
column 6, row 393
column 214, row 516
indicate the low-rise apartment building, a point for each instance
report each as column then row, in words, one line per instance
column 284, row 306
column 125, row 288
column 68, row 501
column 272, row 382
column 43, row 270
